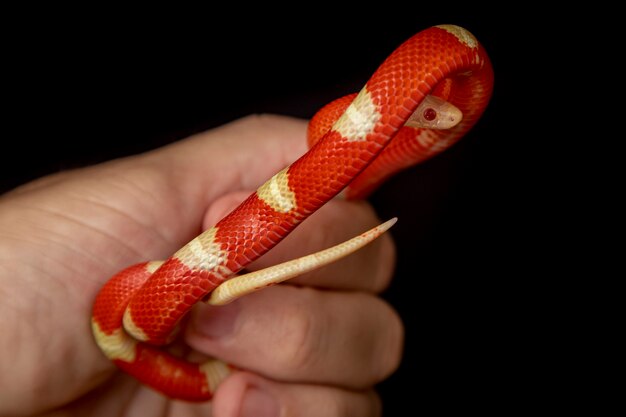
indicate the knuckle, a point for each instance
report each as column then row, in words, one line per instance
column 385, row 263
column 367, row 403
column 300, row 329
column 390, row 345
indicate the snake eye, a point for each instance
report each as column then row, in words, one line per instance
column 430, row 114
column 435, row 113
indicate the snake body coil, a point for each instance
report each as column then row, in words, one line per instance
column 140, row 307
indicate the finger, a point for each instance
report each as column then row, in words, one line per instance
column 369, row 269
column 299, row 334
column 245, row 394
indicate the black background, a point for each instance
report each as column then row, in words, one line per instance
column 84, row 89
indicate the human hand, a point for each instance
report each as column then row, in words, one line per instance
column 313, row 346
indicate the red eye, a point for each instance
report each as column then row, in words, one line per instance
column 430, row 114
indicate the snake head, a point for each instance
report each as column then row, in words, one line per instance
column 435, row 113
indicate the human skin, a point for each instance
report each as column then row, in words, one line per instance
column 314, row 346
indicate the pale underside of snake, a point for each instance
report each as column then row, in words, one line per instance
column 424, row 97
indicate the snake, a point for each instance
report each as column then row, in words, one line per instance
column 425, row 96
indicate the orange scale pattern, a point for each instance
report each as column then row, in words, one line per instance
column 445, row 61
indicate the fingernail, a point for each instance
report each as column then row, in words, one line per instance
column 258, row 403
column 216, row 322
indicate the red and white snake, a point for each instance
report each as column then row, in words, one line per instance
column 425, row 96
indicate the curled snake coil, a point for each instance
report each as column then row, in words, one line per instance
column 423, row 98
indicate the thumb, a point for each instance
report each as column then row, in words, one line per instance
column 238, row 156
column 196, row 171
